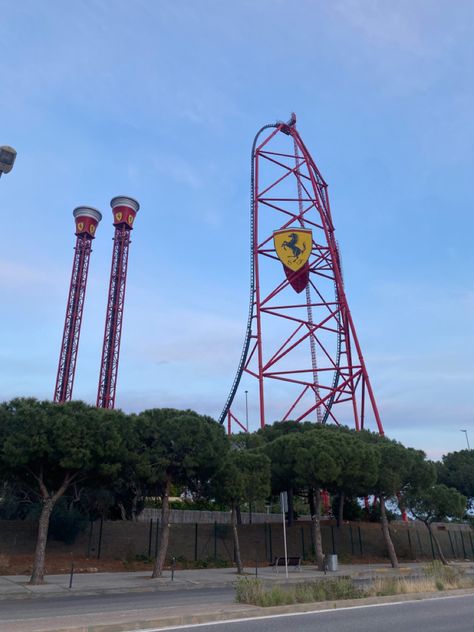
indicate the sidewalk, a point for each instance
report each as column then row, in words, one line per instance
column 17, row 587
column 165, row 613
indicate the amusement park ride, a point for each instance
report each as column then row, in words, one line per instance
column 87, row 220
column 124, row 210
column 301, row 347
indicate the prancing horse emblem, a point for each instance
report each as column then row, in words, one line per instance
column 293, row 246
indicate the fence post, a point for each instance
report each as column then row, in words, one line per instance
column 333, row 540
column 360, row 541
column 150, row 531
column 195, row 542
column 419, row 541
column 432, row 546
column 451, row 542
column 303, row 552
column 89, row 542
column 409, row 543
column 266, row 541
column 352, row 539
column 99, row 548
column 472, row 546
column 463, row 547
column 270, row 541
column 215, row 539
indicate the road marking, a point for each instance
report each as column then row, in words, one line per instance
column 299, row 614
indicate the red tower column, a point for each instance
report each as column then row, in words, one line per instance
column 124, row 210
column 87, row 219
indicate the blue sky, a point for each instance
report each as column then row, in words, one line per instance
column 161, row 100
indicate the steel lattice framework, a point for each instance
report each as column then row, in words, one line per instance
column 124, row 210
column 87, row 219
column 303, row 353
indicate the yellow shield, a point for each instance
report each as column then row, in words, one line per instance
column 293, row 246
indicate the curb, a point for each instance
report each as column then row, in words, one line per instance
column 88, row 592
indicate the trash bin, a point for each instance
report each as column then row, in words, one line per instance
column 332, row 562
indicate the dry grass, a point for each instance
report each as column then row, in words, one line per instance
column 435, row 577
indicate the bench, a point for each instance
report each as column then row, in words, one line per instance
column 291, row 560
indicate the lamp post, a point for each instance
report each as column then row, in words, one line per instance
column 467, row 438
column 7, row 158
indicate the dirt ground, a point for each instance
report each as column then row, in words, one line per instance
column 57, row 563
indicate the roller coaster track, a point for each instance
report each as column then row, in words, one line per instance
column 350, row 381
column 248, row 331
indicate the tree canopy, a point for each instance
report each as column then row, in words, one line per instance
column 47, row 447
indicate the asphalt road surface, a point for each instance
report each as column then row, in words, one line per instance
column 451, row 614
column 21, row 609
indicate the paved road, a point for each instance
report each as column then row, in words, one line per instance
column 19, row 610
column 451, row 614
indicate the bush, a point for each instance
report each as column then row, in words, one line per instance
column 448, row 575
column 252, row 591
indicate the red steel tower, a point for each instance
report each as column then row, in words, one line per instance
column 124, row 210
column 87, row 219
column 301, row 354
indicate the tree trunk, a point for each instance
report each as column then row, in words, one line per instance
column 164, row 534
column 37, row 576
column 49, row 500
column 315, row 495
column 123, row 513
column 340, row 512
column 386, row 534
column 235, row 533
column 437, row 544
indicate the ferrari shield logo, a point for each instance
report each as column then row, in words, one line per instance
column 293, row 246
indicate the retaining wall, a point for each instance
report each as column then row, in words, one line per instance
column 262, row 542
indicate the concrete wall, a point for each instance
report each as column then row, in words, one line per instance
column 262, row 542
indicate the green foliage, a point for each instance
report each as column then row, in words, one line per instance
column 178, row 446
column 300, row 460
column 435, row 503
column 244, row 475
column 352, row 510
column 457, row 470
column 399, row 467
column 46, row 441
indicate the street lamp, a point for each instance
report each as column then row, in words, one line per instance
column 7, row 158
column 467, row 439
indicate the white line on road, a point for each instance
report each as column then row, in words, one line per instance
column 299, row 614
